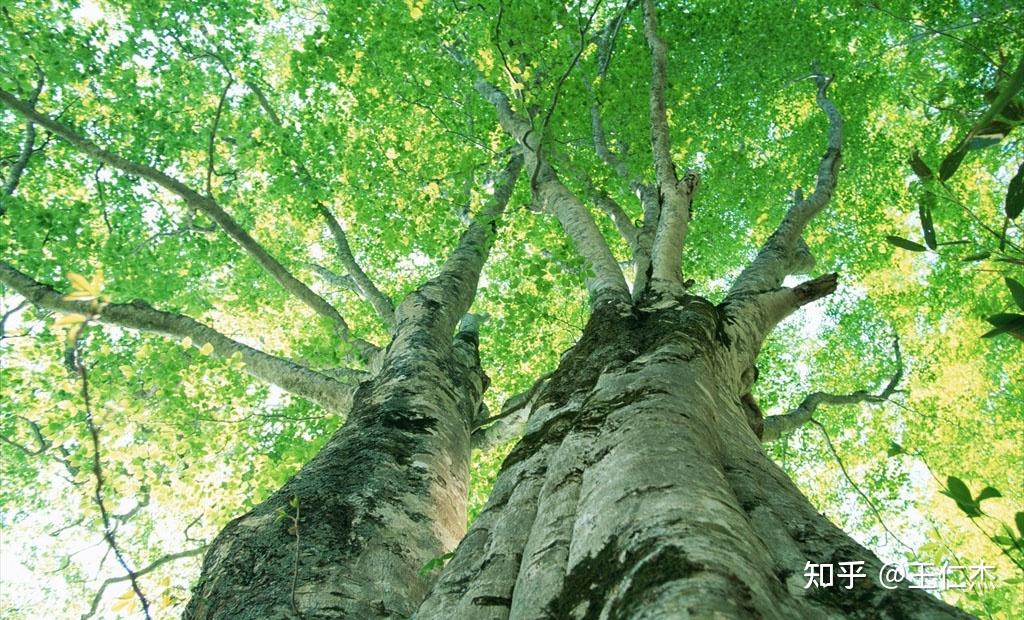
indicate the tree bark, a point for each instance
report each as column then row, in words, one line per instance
column 350, row 534
column 640, row 491
column 381, row 499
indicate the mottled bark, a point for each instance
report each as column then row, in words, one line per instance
column 347, row 537
column 675, row 195
column 381, row 499
column 640, row 491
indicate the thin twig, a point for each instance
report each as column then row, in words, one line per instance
column 856, row 487
column 108, row 530
column 212, row 143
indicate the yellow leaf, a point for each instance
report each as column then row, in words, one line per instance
column 85, row 289
column 78, row 282
column 414, row 10
column 127, row 371
column 69, row 319
column 206, row 349
column 72, row 334
column 79, row 296
column 186, row 342
column 124, row 602
column 391, row 153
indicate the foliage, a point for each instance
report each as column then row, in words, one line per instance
column 393, row 138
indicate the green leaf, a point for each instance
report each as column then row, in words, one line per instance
column 1005, row 323
column 924, row 210
column 294, row 501
column 1017, row 290
column 956, row 489
column 435, row 563
column 1015, row 194
column 920, row 168
column 973, row 258
column 952, row 162
column 988, row 493
column 1019, row 520
column 906, row 244
column 895, row 449
column 981, row 142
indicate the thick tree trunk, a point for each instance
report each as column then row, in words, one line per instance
column 640, row 491
column 384, row 497
column 349, row 535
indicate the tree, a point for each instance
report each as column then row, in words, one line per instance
column 201, row 158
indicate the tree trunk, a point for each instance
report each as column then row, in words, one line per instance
column 640, row 491
column 349, row 535
column 384, row 497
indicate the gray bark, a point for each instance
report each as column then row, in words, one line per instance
column 387, row 494
column 384, row 497
column 640, row 491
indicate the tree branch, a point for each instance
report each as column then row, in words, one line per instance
column 676, row 195
column 777, row 304
column 27, row 146
column 97, row 472
column 364, row 285
column 139, row 573
column 336, row 279
column 775, row 426
column 605, row 46
column 785, row 251
column 212, row 142
column 195, row 200
column 505, row 425
column 614, row 210
column 553, row 195
column 331, row 394
column 452, row 291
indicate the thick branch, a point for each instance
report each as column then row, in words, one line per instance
column 780, row 303
column 660, row 146
column 452, row 291
column 333, row 395
column 197, row 201
column 336, row 279
column 775, row 426
column 553, row 195
column 675, row 195
column 785, row 252
column 748, row 318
